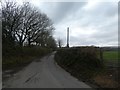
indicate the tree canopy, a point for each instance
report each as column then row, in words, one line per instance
column 25, row 24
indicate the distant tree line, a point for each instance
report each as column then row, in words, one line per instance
column 25, row 25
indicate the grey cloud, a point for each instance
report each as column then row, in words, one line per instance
column 99, row 15
column 82, row 41
column 94, row 40
column 105, row 37
column 106, row 9
column 101, row 18
column 64, row 9
column 58, row 11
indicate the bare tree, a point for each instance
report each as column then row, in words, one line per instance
column 36, row 24
column 10, row 20
column 25, row 23
column 59, row 43
column 50, row 42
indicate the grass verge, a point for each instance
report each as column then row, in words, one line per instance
column 20, row 57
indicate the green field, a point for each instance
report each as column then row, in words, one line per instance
column 110, row 55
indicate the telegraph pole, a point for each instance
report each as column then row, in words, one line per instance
column 68, row 37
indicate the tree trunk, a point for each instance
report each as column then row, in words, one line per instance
column 21, row 44
column 29, row 42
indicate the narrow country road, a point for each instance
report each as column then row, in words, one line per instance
column 43, row 73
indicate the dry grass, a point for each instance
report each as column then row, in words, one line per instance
column 105, row 81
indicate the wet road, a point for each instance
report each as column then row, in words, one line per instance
column 43, row 73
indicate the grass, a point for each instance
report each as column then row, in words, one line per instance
column 110, row 58
column 109, row 77
column 110, row 55
column 14, row 62
column 20, row 57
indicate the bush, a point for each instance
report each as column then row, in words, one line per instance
column 20, row 56
column 82, row 61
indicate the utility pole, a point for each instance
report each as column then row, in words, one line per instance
column 68, row 37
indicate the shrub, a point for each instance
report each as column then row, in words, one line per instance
column 20, row 56
column 82, row 61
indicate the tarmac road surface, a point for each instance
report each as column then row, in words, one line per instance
column 43, row 73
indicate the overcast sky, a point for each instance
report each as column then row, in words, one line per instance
column 90, row 23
